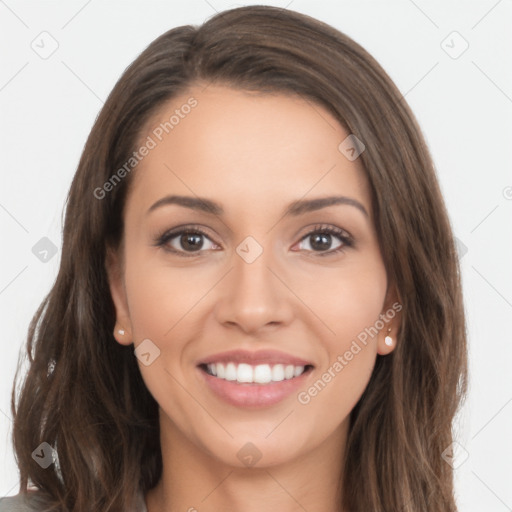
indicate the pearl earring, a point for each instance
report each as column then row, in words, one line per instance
column 121, row 332
column 388, row 340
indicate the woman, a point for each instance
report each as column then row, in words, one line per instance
column 259, row 303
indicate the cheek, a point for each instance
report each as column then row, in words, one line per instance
column 360, row 299
column 350, row 305
column 350, row 353
column 164, row 303
column 347, row 299
column 160, row 296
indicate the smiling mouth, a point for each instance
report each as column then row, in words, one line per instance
column 260, row 374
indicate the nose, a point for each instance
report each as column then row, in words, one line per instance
column 254, row 295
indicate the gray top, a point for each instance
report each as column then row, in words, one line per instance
column 30, row 503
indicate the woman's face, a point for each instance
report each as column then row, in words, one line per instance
column 264, row 292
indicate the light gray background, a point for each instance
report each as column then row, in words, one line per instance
column 463, row 105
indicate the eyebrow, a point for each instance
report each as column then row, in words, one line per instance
column 294, row 209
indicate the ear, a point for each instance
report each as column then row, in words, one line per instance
column 114, row 267
column 391, row 317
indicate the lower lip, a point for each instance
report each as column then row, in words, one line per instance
column 251, row 394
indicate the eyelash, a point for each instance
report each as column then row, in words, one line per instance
column 164, row 238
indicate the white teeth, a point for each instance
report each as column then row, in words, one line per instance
column 244, row 373
column 278, row 373
column 298, row 370
column 259, row 374
column 221, row 370
column 262, row 374
column 230, row 371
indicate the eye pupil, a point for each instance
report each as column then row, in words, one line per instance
column 191, row 241
column 326, row 241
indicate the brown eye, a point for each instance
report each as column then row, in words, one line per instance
column 185, row 242
column 320, row 240
column 191, row 241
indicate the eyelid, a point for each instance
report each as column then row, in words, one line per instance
column 324, row 227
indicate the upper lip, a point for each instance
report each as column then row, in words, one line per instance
column 255, row 358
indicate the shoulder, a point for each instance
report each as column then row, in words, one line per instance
column 14, row 504
column 23, row 502
column 33, row 501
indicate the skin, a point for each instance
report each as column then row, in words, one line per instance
column 254, row 154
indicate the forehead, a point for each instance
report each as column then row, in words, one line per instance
column 260, row 148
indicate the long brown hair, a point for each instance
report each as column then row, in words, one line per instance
column 84, row 394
